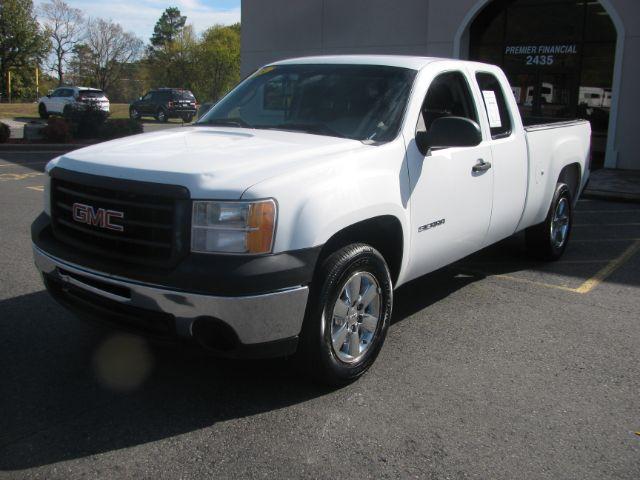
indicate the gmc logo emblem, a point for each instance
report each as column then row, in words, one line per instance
column 97, row 217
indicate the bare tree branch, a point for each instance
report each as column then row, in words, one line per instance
column 64, row 26
column 111, row 49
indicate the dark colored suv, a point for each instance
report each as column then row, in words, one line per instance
column 165, row 103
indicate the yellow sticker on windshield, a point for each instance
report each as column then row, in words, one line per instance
column 264, row 70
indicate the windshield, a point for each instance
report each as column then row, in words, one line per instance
column 360, row 102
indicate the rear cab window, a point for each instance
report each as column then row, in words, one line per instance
column 495, row 105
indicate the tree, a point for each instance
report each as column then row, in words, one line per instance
column 79, row 70
column 167, row 28
column 22, row 41
column 111, row 48
column 64, row 26
column 218, row 61
column 173, row 65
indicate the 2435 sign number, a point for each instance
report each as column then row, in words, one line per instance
column 539, row 60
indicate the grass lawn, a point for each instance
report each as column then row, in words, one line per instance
column 30, row 110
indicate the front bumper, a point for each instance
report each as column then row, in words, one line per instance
column 249, row 326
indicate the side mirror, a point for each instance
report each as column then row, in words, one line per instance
column 447, row 132
column 48, row 95
column 139, row 98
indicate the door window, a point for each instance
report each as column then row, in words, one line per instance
column 448, row 96
column 495, row 105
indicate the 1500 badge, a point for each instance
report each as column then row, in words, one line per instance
column 428, row 226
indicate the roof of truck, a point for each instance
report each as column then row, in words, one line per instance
column 404, row 61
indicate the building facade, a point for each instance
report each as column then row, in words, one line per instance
column 564, row 58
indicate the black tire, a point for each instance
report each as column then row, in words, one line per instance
column 42, row 111
column 67, row 112
column 134, row 114
column 543, row 240
column 316, row 351
column 187, row 118
column 162, row 116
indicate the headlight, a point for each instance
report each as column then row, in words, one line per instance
column 233, row 227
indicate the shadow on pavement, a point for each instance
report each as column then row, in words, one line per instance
column 58, row 404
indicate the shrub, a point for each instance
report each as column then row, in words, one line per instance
column 57, row 130
column 87, row 121
column 5, row 132
column 120, row 128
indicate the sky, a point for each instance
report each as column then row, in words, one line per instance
column 140, row 16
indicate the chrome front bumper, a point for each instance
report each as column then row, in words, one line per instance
column 255, row 319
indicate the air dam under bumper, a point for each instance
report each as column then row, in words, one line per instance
column 261, row 325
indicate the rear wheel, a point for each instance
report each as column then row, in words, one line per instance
column 348, row 315
column 548, row 240
column 187, row 118
column 42, row 111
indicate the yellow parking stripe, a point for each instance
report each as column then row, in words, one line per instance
column 611, row 267
column 587, row 286
column 18, row 176
column 39, row 188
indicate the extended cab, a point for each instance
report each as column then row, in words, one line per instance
column 283, row 220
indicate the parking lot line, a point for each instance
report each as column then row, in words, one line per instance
column 18, row 164
column 608, row 269
column 39, row 188
column 588, row 285
column 18, row 176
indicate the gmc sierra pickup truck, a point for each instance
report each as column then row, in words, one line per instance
column 283, row 220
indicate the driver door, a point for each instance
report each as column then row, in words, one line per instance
column 450, row 202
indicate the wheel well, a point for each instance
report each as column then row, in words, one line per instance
column 571, row 176
column 384, row 233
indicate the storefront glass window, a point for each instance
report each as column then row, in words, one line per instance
column 557, row 54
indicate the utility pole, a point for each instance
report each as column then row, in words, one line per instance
column 9, row 85
column 37, row 84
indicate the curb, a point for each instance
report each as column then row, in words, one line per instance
column 38, row 147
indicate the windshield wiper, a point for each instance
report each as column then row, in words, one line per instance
column 226, row 122
column 316, row 128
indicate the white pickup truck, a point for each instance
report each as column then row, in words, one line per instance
column 283, row 220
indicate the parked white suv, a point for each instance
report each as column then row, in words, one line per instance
column 64, row 99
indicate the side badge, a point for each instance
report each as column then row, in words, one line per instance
column 431, row 225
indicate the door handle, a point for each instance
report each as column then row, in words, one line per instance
column 481, row 166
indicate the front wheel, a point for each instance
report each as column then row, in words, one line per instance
column 548, row 240
column 42, row 111
column 161, row 116
column 348, row 315
column 134, row 114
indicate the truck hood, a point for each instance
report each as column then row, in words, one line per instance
column 212, row 162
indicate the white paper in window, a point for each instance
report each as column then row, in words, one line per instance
column 493, row 111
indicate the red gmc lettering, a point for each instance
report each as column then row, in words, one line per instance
column 98, row 218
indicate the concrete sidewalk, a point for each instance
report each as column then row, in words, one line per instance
column 613, row 184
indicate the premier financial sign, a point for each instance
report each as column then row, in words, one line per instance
column 541, row 54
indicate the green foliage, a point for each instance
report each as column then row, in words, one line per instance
column 5, row 132
column 120, row 127
column 86, row 122
column 167, row 28
column 22, row 41
column 209, row 66
column 58, row 130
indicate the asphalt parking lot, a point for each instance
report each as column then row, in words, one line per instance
column 497, row 367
